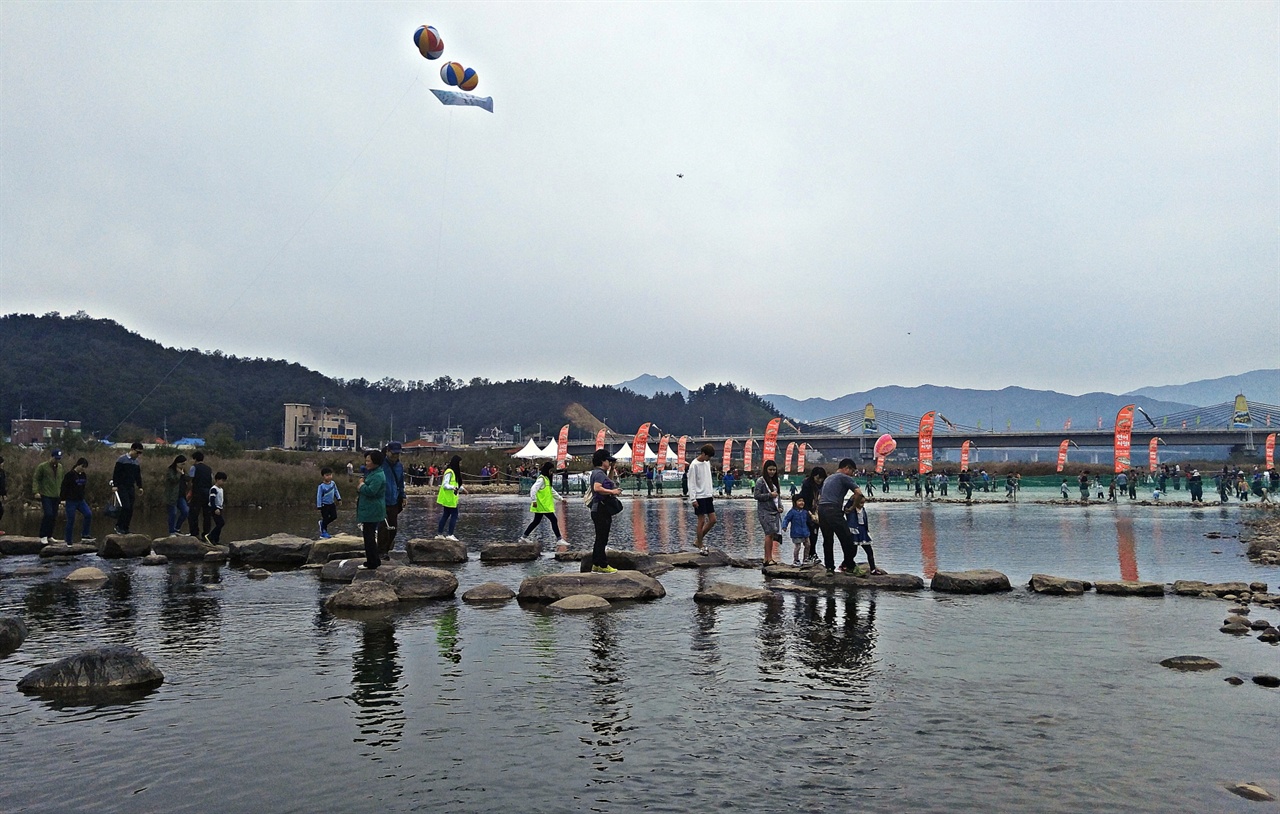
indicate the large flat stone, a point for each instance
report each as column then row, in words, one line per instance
column 278, row 549
column 103, row 668
column 324, row 550
column 1056, row 586
column 412, row 582
column 124, row 546
column 181, row 549
column 489, row 592
column 580, row 602
column 626, row 560
column 423, row 550
column 510, row 552
column 1194, row 587
column 64, row 550
column 14, row 545
column 712, row 558
column 725, row 593
column 884, row 582
column 781, row 571
column 976, row 581
column 620, row 585
column 341, row 570
column 87, row 574
column 366, row 595
column 1128, row 587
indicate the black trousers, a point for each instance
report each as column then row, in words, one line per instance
column 603, row 521
column 215, row 533
column 328, row 513
column 537, row 519
column 370, row 533
column 387, row 531
column 200, row 520
column 127, row 498
column 832, row 521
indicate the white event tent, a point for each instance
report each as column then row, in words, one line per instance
column 531, row 452
column 553, row 451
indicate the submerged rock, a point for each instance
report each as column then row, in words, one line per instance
column 367, row 595
column 620, row 585
column 13, row 632
column 155, row 559
column 1056, row 586
column 122, row 546
column 721, row 593
column 1129, row 587
column 489, row 592
column 975, row 581
column 278, row 549
column 116, row 667
column 258, row 573
column 15, row 545
column 421, row 550
column 580, row 602
column 510, row 552
column 86, row 574
column 1190, row 663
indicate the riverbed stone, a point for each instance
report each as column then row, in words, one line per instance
column 884, row 582
column 1056, row 586
column 13, row 545
column 31, row 571
column 580, row 602
column 324, row 550
column 1129, row 587
column 1190, row 663
column 124, row 546
column 1239, row 610
column 619, row 585
column 1235, row 620
column 13, row 632
column 1235, row 629
column 278, row 549
column 1193, row 587
column 489, row 592
column 510, row 552
column 116, row 667
column 1258, row 587
column 86, row 574
column 367, row 595
column 792, row 588
column 155, row 559
column 572, row 554
column 1234, row 681
column 64, row 550
column 724, row 593
column 974, row 581
column 424, row 550
column 627, row 560
column 341, row 570
column 413, row 582
column 1266, row 681
column 711, row 558
column 782, row 571
column 181, row 548
column 217, row 554
column 1251, row 791
column 258, row 573
column 1269, row 635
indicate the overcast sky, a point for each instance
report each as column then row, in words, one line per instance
column 1069, row 196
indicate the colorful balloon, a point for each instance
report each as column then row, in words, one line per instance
column 469, row 80
column 451, row 73
column 885, row 445
column 429, row 43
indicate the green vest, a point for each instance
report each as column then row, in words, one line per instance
column 544, row 501
column 448, row 498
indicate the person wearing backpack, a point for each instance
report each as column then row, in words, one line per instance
column 544, row 504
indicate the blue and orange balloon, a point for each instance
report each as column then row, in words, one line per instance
column 429, row 42
column 469, row 80
column 452, row 73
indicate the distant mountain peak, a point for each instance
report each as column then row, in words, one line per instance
column 647, row 384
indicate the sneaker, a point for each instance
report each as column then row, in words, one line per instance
column 795, row 561
column 561, row 541
column 324, row 535
column 603, row 569
column 441, row 537
column 88, row 540
column 45, row 541
column 843, row 568
column 451, row 537
column 523, row 539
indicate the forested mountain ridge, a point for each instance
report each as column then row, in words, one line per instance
column 99, row 372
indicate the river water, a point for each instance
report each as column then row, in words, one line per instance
column 858, row 701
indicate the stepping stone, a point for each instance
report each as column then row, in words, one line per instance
column 712, row 558
column 423, row 550
column 977, row 581
column 620, row 585
column 124, row 546
column 1190, row 663
column 510, row 552
column 579, row 602
column 1057, row 586
column 278, row 549
column 367, row 595
column 722, row 593
column 14, row 545
column 63, row 550
column 88, row 574
column 884, row 582
column 1129, row 587
column 489, row 592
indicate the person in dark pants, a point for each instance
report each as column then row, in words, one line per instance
column 601, row 517
column 371, row 506
column 393, row 473
column 201, row 482
column 125, row 479
column 217, row 508
column 46, row 483
column 831, row 517
column 72, row 495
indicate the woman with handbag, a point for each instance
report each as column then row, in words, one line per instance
column 544, row 499
column 604, row 505
column 768, row 511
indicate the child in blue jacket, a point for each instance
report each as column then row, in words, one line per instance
column 798, row 521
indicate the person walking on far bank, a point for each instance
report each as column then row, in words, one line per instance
column 394, row 472
column 126, row 483
column 544, row 499
column 601, row 516
column 768, row 510
column 72, row 494
column 199, row 521
column 371, row 506
column 176, row 485
column 46, row 483
column 701, row 492
column 450, row 487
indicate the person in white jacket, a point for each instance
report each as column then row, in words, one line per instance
column 701, row 489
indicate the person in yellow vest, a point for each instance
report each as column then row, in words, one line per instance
column 544, row 504
column 450, row 487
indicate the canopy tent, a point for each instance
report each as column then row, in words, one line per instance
column 553, row 450
column 530, row 451
column 623, row 454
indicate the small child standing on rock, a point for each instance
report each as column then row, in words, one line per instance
column 327, row 499
column 217, row 499
column 796, row 524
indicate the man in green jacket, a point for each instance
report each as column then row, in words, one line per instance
column 47, row 485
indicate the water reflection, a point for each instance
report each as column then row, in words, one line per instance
column 190, row 616
column 376, row 690
column 447, row 636
column 638, row 524
column 928, row 543
column 837, row 639
column 1126, row 548
column 772, row 639
column 608, row 713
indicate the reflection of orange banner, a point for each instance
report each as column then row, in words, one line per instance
column 680, row 447
column 770, row 450
column 928, row 544
column 791, row 450
column 728, row 454
column 964, row 457
column 639, row 448
column 1126, row 549
column 1271, row 451
column 1062, row 454
column 600, row 439
column 663, row 443
column 925, row 440
column 563, row 443
column 1153, row 455
column 746, row 454
column 1124, row 437
column 800, row 458
column 879, row 464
